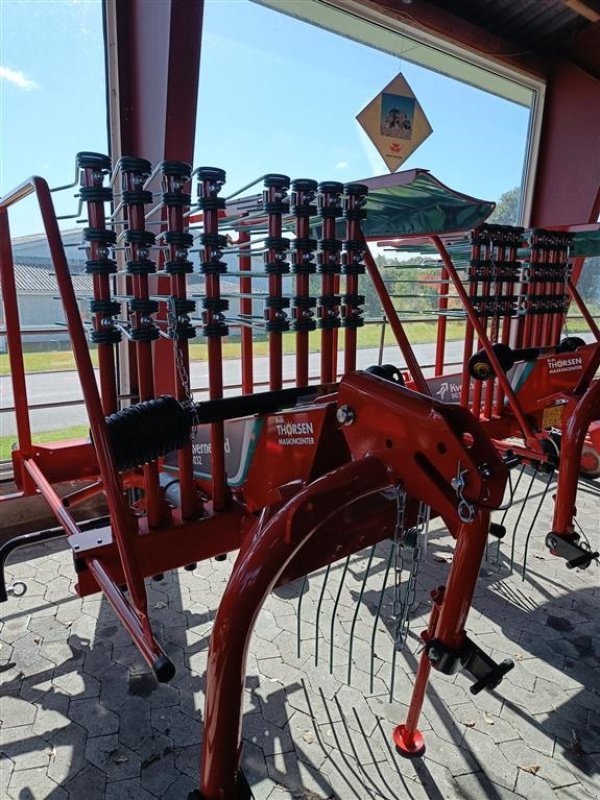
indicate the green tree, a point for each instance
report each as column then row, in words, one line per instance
column 507, row 208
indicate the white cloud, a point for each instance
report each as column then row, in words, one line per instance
column 342, row 165
column 19, row 79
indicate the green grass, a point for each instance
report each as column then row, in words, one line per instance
column 75, row 432
column 368, row 336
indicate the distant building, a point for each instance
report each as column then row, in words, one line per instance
column 40, row 306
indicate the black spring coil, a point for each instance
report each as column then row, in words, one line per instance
column 143, row 432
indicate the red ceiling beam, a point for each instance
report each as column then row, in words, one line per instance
column 568, row 174
column 153, row 64
column 456, row 30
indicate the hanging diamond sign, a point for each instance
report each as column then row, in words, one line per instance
column 395, row 122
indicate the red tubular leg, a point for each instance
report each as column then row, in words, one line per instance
column 135, row 621
column 259, row 564
column 181, row 330
column 469, row 550
column 210, row 182
column 447, row 626
column 573, row 437
column 407, row 737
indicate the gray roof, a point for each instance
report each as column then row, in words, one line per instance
column 36, row 279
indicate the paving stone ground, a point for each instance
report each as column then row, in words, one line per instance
column 81, row 718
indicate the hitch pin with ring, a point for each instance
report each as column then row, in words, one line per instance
column 466, row 510
column 17, row 589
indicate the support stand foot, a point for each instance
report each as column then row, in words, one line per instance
column 409, row 746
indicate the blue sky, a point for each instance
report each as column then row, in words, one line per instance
column 275, row 95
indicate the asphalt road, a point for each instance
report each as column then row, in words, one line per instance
column 55, row 387
column 59, row 387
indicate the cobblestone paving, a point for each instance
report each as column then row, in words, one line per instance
column 81, row 718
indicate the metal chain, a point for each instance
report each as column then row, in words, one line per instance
column 413, row 539
column 180, row 365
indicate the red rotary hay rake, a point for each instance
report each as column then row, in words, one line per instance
column 296, row 477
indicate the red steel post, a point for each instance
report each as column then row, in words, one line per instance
column 407, row 737
column 143, row 330
column 447, row 622
column 94, row 194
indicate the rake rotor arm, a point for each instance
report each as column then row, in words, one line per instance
column 439, row 452
column 260, row 562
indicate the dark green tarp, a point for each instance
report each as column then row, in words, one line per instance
column 414, row 202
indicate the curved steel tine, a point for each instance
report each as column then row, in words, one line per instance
column 520, row 515
column 334, row 612
column 299, row 618
column 318, row 614
column 378, row 615
column 356, row 610
column 534, row 520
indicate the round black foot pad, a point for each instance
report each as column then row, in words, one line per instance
column 164, row 669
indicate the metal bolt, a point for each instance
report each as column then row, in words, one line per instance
column 345, row 415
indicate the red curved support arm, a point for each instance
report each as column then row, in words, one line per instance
column 586, row 411
column 259, row 564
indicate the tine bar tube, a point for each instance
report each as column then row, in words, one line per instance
column 175, row 177
column 275, row 204
column 352, row 268
column 303, row 266
column 329, row 266
column 142, row 330
column 210, row 182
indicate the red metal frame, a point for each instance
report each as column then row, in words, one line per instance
column 369, row 435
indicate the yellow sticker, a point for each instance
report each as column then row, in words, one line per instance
column 552, row 417
column 395, row 122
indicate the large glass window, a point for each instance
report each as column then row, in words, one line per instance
column 53, row 104
column 279, row 94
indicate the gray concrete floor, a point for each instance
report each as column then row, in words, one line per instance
column 81, row 718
